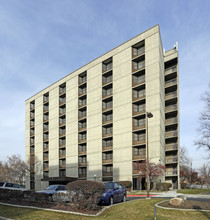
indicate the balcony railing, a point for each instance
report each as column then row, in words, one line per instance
column 171, row 173
column 107, row 161
column 171, row 108
column 170, row 70
column 104, row 148
column 171, row 95
column 82, row 164
column 82, row 175
column 107, row 173
column 139, row 109
column 141, row 154
column 171, row 121
column 171, row 159
column 62, row 155
column 171, row 134
column 171, row 147
column 62, row 166
column 171, row 82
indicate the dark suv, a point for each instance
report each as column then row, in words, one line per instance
column 114, row 192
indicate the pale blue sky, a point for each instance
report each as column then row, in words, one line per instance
column 42, row 41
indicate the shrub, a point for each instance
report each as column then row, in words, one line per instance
column 163, row 186
column 126, row 184
column 183, row 185
column 85, row 194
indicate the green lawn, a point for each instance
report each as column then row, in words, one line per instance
column 138, row 209
column 194, row 191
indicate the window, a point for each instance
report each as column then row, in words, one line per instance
column 138, row 65
column 82, row 101
column 32, row 105
column 62, row 131
column 138, row 122
column 62, row 109
column 138, row 93
column 46, row 97
column 107, row 143
column 138, row 79
column 82, row 113
column 82, row 124
column 45, row 126
column 62, row 141
column 107, row 91
column 138, row 107
column 82, row 136
column 62, row 152
column 107, row 65
column 139, row 50
column 107, row 104
column 62, row 99
column 139, row 151
column 82, row 147
column 46, row 117
column 82, row 159
column 62, row 88
column 82, row 78
column 107, row 130
column 62, row 120
column 45, row 155
column 62, row 162
column 82, row 90
column 107, row 117
column 138, row 137
column 82, row 171
column 107, row 156
column 107, row 169
column 62, row 173
column 106, row 79
column 45, row 145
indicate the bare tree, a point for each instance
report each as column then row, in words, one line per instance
column 184, row 160
column 155, row 170
column 204, row 174
column 203, row 140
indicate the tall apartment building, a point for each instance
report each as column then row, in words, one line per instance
column 91, row 123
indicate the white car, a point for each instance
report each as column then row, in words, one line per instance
column 6, row 185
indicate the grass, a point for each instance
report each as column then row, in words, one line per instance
column 138, row 209
column 194, row 191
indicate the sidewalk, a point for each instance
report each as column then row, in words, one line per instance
column 171, row 193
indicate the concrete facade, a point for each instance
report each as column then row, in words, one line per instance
column 86, row 125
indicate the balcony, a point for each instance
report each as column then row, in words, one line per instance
column 170, row 160
column 82, row 91
column 80, row 141
column 171, row 173
column 45, row 108
column 107, row 173
column 32, row 115
column 140, row 156
column 138, row 95
column 62, row 144
column 32, row 124
column 82, row 175
column 138, row 65
column 171, row 82
column 46, row 168
column 82, row 152
column 138, row 80
column 138, row 51
column 62, row 90
column 141, row 139
column 169, row 134
column 139, row 124
column 107, row 161
column 62, row 132
column 171, row 108
column 107, row 65
column 62, row 122
column 62, row 111
column 32, row 132
column 82, row 164
column 139, row 109
column 63, row 166
column 62, row 155
column 45, row 149
column 82, row 115
column 32, row 142
column 171, row 95
column 62, row 101
column 82, row 78
column 45, row 158
column 106, row 148
column 82, row 103
column 171, row 147
column 171, row 121
column 45, row 138
column 107, row 79
column 170, row 70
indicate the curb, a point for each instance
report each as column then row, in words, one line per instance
column 54, row 210
column 161, row 207
column 3, row 218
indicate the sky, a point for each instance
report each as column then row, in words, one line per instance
column 44, row 40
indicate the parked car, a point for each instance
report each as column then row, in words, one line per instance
column 52, row 189
column 6, row 185
column 114, row 192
